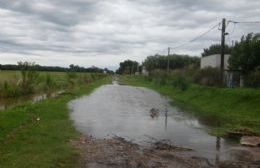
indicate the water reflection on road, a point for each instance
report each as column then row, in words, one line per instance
column 125, row 111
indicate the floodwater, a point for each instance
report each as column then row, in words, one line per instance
column 12, row 102
column 125, row 111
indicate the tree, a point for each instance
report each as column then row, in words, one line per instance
column 216, row 49
column 246, row 54
column 128, row 67
column 176, row 62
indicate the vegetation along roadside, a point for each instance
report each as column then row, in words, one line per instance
column 221, row 109
column 39, row 135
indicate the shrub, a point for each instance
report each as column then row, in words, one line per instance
column 71, row 77
column 49, row 82
column 209, row 77
column 29, row 76
column 180, row 82
column 253, row 79
column 159, row 77
column 9, row 90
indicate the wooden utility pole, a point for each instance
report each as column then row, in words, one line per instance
column 223, row 36
column 168, row 61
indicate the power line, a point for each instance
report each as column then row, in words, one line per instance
column 245, row 22
column 198, row 37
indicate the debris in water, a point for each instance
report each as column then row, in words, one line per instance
column 154, row 113
column 250, row 141
column 167, row 145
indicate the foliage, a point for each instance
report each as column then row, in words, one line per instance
column 58, row 69
column 29, row 76
column 216, row 49
column 180, row 82
column 161, row 78
column 40, row 135
column 128, row 67
column 9, row 90
column 175, row 62
column 208, row 76
column 246, row 54
column 253, row 79
column 11, row 81
column 49, row 82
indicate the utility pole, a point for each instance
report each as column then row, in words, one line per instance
column 223, row 36
column 168, row 61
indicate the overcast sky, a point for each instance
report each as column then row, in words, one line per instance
column 106, row 32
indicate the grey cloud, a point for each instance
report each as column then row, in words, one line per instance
column 108, row 31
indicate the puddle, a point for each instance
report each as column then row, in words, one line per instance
column 125, row 111
column 9, row 103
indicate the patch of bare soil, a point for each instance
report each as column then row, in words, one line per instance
column 119, row 153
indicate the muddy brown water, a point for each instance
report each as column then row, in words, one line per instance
column 124, row 111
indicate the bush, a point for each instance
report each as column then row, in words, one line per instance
column 208, row 77
column 49, row 83
column 9, row 90
column 253, row 79
column 71, row 77
column 180, row 82
column 159, row 77
column 29, row 77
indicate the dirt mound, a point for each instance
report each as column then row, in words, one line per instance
column 120, row 153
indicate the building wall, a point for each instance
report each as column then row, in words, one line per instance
column 214, row 61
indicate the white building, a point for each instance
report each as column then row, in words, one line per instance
column 232, row 78
column 214, row 61
column 144, row 71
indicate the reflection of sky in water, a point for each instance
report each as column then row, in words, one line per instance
column 125, row 111
column 12, row 102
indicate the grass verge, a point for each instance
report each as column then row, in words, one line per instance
column 38, row 135
column 221, row 109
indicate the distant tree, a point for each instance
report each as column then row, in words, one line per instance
column 72, row 67
column 128, row 67
column 176, row 62
column 216, row 49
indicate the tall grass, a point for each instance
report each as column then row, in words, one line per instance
column 28, row 80
column 29, row 77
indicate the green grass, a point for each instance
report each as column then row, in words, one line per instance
column 221, row 109
column 13, row 85
column 28, row 143
column 6, row 75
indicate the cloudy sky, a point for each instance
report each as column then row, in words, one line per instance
column 105, row 32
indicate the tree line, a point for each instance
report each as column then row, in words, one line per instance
column 244, row 59
column 158, row 62
column 72, row 67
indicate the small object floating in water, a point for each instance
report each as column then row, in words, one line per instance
column 253, row 141
column 154, row 113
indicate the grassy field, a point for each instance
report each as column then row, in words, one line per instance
column 13, row 84
column 15, row 75
column 221, row 109
column 38, row 135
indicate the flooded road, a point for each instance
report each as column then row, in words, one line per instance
column 125, row 111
